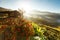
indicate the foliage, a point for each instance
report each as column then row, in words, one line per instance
column 24, row 29
column 38, row 31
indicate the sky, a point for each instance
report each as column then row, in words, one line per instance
column 41, row 5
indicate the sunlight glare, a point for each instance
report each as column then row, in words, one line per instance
column 25, row 6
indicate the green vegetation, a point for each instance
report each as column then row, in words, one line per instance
column 38, row 31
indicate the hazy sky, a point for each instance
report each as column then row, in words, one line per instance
column 43, row 5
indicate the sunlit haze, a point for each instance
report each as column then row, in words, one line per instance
column 27, row 5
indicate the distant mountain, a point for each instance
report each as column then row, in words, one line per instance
column 48, row 18
column 4, row 9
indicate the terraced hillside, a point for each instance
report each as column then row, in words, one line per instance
column 51, row 33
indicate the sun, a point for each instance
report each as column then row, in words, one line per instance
column 25, row 6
